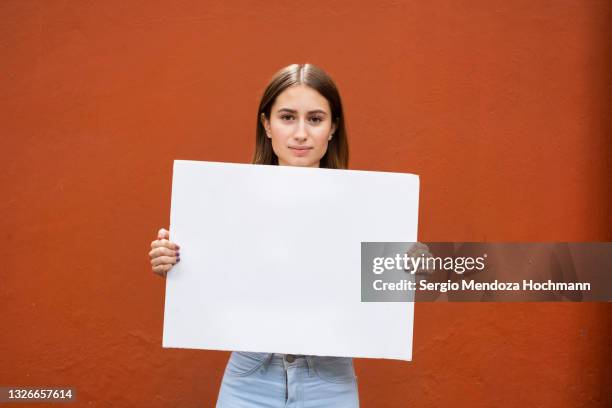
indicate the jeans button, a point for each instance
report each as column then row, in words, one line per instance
column 290, row 358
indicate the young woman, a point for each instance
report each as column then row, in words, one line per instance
column 300, row 122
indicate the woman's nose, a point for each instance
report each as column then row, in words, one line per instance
column 300, row 133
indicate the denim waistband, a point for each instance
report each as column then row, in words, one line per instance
column 279, row 359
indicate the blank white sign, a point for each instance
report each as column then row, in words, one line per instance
column 270, row 259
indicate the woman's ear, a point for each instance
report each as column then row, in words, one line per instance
column 266, row 124
column 333, row 130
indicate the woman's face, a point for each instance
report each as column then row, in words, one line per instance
column 300, row 126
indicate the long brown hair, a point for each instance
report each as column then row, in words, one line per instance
column 337, row 154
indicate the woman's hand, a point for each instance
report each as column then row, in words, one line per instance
column 420, row 250
column 164, row 253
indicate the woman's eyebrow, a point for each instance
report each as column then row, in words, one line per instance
column 294, row 111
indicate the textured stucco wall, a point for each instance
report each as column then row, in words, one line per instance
column 502, row 108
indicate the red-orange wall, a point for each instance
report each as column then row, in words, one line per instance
column 502, row 108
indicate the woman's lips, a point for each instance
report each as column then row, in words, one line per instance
column 300, row 150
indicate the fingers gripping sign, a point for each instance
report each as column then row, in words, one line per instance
column 164, row 253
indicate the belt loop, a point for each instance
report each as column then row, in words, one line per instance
column 266, row 362
column 310, row 363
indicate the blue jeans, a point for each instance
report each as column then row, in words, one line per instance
column 273, row 380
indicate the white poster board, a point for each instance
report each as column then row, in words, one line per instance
column 270, row 259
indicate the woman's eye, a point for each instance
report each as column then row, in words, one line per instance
column 316, row 119
column 287, row 117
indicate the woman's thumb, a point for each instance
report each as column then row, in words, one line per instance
column 163, row 234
